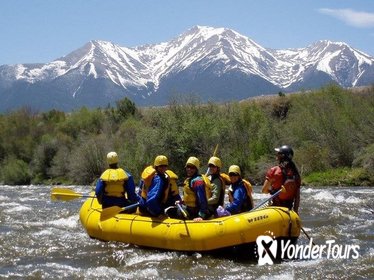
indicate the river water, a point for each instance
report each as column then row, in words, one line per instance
column 43, row 239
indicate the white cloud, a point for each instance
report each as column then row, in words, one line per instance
column 351, row 17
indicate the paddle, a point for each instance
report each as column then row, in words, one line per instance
column 283, row 189
column 314, row 244
column 109, row 212
column 214, row 154
column 303, row 230
column 67, row 194
column 185, row 214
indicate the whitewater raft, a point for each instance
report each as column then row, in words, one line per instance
column 187, row 235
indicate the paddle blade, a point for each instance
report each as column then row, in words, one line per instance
column 110, row 212
column 64, row 194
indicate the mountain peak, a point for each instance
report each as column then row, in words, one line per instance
column 327, row 48
column 202, row 29
column 330, row 45
column 217, row 63
column 208, row 31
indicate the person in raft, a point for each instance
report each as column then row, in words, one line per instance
column 115, row 187
column 158, row 188
column 284, row 174
column 240, row 194
column 218, row 183
column 195, row 190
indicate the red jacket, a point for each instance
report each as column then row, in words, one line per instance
column 292, row 182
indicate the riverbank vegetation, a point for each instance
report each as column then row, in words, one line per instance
column 331, row 131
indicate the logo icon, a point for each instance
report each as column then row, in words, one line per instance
column 266, row 249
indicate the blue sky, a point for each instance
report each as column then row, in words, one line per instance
column 42, row 30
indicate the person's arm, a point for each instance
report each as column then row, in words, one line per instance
column 130, row 189
column 297, row 201
column 99, row 190
column 154, row 196
column 267, row 186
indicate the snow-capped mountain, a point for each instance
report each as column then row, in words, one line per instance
column 217, row 64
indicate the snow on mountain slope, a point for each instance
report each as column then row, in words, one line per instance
column 107, row 60
column 140, row 71
column 333, row 58
column 208, row 44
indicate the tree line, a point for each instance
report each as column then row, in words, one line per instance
column 329, row 129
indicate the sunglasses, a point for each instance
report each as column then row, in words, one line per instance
column 190, row 167
column 233, row 174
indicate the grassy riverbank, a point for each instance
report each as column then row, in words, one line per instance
column 331, row 131
column 339, row 177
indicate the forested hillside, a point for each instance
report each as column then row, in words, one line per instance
column 331, row 131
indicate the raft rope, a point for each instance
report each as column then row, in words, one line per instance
column 288, row 212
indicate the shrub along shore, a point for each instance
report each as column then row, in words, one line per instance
column 331, row 131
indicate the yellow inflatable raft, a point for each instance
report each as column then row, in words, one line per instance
column 180, row 235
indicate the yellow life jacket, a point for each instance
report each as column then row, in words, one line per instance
column 173, row 187
column 249, row 190
column 225, row 179
column 189, row 196
column 248, row 187
column 114, row 182
column 208, row 186
column 147, row 176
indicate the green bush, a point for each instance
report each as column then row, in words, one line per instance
column 312, row 157
column 333, row 118
column 87, row 159
column 15, row 172
column 331, row 128
column 365, row 160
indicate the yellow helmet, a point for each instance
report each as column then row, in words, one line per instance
column 112, row 158
column 161, row 160
column 215, row 161
column 235, row 169
column 193, row 161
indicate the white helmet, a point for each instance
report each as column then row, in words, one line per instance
column 112, row 158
